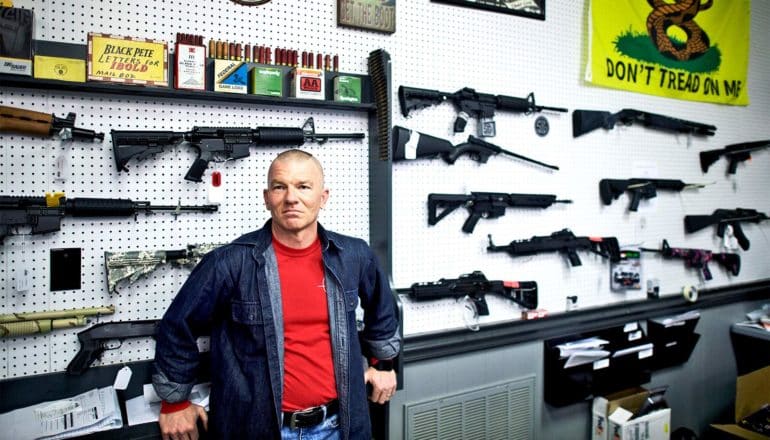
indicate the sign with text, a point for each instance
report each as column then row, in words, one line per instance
column 691, row 50
column 375, row 15
column 127, row 60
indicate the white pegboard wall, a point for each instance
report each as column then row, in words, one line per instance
column 27, row 164
column 501, row 54
column 436, row 46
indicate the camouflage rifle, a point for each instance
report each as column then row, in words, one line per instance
column 30, row 323
column 132, row 265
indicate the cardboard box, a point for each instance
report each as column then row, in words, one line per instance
column 611, row 418
column 307, row 84
column 266, row 81
column 60, row 61
column 752, row 390
column 16, row 28
column 347, row 89
column 231, row 76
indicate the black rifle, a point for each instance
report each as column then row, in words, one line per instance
column 735, row 153
column 410, row 144
column 561, row 241
column 724, row 217
column 93, row 341
column 470, row 103
column 475, row 286
column 214, row 143
column 42, row 124
column 641, row 188
column 484, row 204
column 699, row 258
column 44, row 214
column 584, row 121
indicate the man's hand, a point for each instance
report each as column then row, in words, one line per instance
column 383, row 384
column 180, row 425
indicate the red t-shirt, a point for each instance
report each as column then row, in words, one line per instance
column 308, row 378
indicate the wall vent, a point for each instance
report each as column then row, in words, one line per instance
column 504, row 411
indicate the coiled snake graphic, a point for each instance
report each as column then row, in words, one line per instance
column 680, row 14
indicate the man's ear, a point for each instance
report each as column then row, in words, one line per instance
column 264, row 197
column 325, row 196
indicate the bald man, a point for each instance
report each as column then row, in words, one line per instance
column 287, row 360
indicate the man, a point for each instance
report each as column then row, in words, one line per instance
column 280, row 305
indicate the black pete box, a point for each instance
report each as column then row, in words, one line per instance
column 16, row 26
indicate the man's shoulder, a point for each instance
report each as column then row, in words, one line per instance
column 252, row 239
column 344, row 241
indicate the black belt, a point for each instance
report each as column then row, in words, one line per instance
column 311, row 416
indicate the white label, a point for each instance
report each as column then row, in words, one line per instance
column 601, row 363
column 645, row 354
column 122, row 378
column 410, row 149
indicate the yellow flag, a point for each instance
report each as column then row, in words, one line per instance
column 695, row 50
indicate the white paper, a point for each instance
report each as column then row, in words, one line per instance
column 678, row 320
column 92, row 411
column 634, row 349
column 566, row 349
column 582, row 357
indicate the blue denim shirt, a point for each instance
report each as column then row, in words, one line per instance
column 233, row 294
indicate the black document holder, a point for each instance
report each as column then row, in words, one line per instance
column 564, row 386
column 673, row 344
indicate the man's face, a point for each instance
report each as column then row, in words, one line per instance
column 295, row 194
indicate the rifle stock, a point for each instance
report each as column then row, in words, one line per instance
column 584, row 121
column 24, row 121
column 693, row 223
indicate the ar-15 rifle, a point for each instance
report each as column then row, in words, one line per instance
column 561, row 241
column 44, row 214
column 24, row 121
column 735, row 153
column 470, row 104
column 214, row 143
column 584, row 121
column 641, row 188
column 94, row 341
column 475, row 286
column 484, row 205
column 410, row 145
column 723, row 218
column 132, row 265
column 699, row 258
column 31, row 323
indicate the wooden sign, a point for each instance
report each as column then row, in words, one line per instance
column 127, row 60
column 375, row 15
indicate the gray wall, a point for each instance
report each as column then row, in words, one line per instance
column 700, row 392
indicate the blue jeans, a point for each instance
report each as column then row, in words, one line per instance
column 329, row 429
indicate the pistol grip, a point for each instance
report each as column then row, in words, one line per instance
column 89, row 352
column 574, row 259
column 195, row 172
column 470, row 222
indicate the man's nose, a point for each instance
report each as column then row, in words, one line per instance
column 291, row 195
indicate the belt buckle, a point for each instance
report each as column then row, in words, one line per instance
column 307, row 411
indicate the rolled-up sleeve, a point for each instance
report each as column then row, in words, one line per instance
column 188, row 317
column 380, row 335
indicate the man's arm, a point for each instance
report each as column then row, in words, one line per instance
column 380, row 337
column 176, row 349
